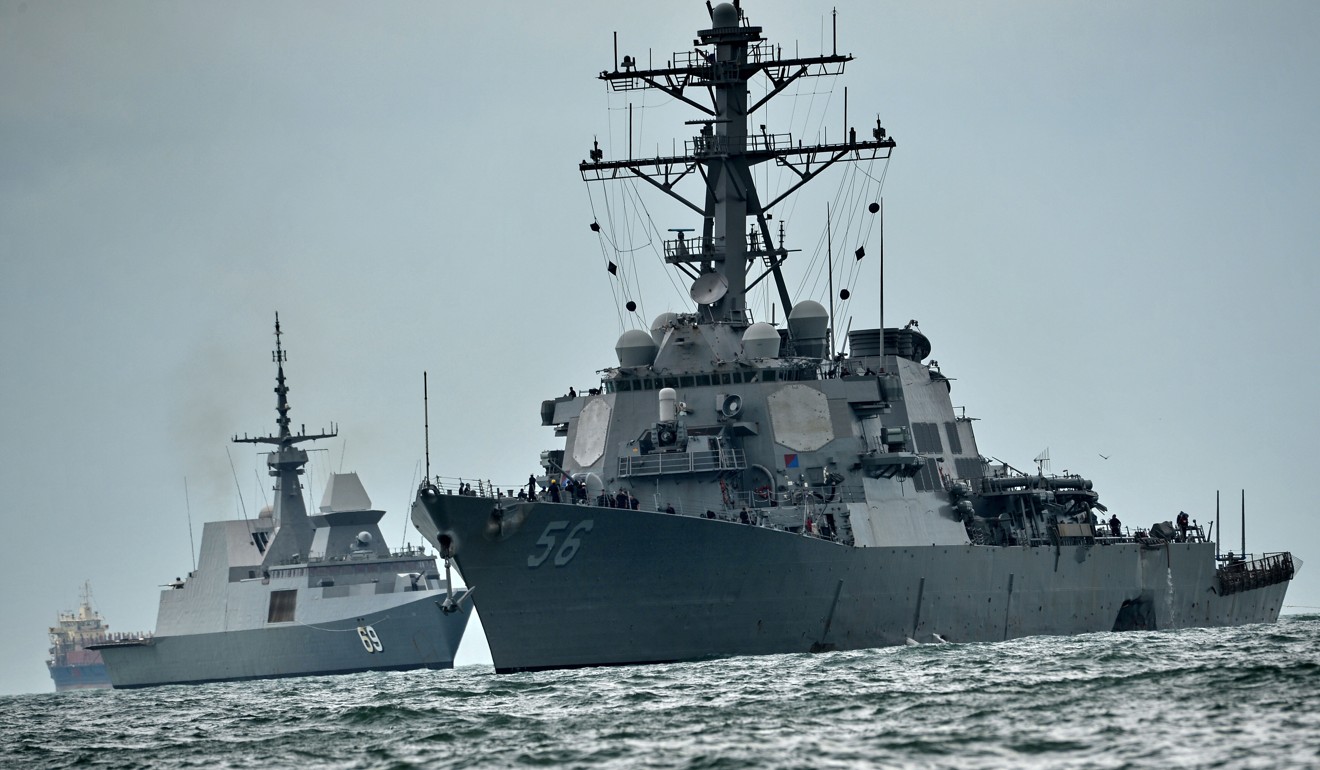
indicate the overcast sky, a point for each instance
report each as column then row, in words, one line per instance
column 1104, row 215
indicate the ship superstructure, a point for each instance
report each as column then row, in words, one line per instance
column 737, row 487
column 293, row 594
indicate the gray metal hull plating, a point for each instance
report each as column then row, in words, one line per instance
column 564, row 586
column 413, row 635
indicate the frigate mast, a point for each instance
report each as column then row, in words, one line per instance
column 293, row 536
column 726, row 58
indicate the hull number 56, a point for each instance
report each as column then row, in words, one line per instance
column 564, row 550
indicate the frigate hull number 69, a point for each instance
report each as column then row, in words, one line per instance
column 370, row 640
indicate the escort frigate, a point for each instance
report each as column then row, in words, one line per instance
column 296, row 595
column 735, row 488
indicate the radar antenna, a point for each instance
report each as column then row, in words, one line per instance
column 285, row 438
column 727, row 57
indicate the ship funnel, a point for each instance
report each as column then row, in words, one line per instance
column 635, row 348
column 807, row 325
column 866, row 343
column 668, row 404
column 761, row 340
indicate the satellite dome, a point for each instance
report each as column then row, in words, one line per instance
column 761, row 340
column 635, row 348
column 364, row 538
column 807, row 325
column 724, row 15
column 658, row 326
column 809, row 320
column 808, row 308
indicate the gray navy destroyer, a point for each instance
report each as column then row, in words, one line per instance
column 296, row 595
column 738, row 488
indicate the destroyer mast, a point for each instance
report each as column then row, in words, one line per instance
column 724, row 154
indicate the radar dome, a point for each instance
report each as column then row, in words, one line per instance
column 724, row 15
column 364, row 538
column 658, row 326
column 809, row 320
column 806, row 325
column 635, row 348
column 761, row 340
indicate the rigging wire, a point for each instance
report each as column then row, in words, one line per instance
column 654, row 238
column 412, row 485
column 240, row 490
column 602, row 240
column 629, row 227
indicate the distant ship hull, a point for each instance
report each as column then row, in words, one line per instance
column 72, row 664
column 81, row 677
column 565, row 586
column 413, row 635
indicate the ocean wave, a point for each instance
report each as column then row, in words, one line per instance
column 1234, row 697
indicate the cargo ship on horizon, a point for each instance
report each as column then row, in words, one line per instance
column 72, row 666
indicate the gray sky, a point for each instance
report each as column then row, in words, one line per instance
column 1103, row 215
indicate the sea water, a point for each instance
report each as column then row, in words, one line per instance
column 1244, row 697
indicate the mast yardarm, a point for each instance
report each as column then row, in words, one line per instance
column 727, row 57
column 286, row 463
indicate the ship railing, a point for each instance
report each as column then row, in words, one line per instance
column 729, row 504
column 704, row 145
column 726, row 503
column 757, row 52
column 1068, row 533
column 1239, row 574
column 788, row 517
column 682, row 251
column 407, row 552
column 665, row 463
column 797, row 496
column 457, row 485
column 691, row 66
column 123, row 636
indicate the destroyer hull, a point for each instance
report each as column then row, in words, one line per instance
column 411, row 636
column 564, row 586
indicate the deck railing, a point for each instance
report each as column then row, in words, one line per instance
column 1270, row 569
column 662, row 464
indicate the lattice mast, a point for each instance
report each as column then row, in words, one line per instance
column 726, row 58
column 286, row 463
